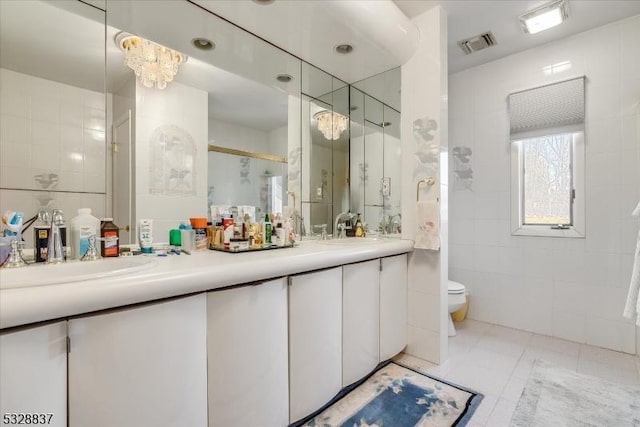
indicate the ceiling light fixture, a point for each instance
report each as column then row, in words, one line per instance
column 154, row 64
column 343, row 48
column 202, row 43
column 544, row 17
column 284, row 78
column 331, row 124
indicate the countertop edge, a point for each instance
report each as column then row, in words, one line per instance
column 201, row 272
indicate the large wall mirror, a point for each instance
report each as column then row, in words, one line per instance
column 325, row 148
column 376, row 152
column 237, row 122
column 219, row 134
column 52, row 107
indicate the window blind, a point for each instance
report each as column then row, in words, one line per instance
column 553, row 108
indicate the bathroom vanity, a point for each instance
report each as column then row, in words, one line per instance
column 213, row 338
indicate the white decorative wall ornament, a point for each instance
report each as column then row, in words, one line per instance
column 427, row 149
column 364, row 174
column 245, row 170
column 46, row 181
column 293, row 166
column 173, row 170
column 211, row 191
column 462, row 168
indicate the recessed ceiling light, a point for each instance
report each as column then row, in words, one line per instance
column 284, row 78
column 544, row 17
column 202, row 43
column 343, row 48
column 263, row 2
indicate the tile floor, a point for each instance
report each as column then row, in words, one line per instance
column 496, row 361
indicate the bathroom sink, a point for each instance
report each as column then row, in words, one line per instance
column 71, row 271
column 352, row 241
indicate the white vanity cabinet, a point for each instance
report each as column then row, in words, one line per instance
column 248, row 355
column 33, row 375
column 141, row 366
column 360, row 319
column 393, row 306
column 315, row 340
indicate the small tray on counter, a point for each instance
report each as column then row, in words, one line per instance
column 250, row 249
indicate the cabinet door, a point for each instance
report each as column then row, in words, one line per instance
column 144, row 366
column 33, row 373
column 360, row 319
column 315, row 343
column 247, row 356
column 393, row 306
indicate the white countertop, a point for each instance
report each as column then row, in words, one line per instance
column 180, row 275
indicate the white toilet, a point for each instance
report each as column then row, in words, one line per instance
column 457, row 299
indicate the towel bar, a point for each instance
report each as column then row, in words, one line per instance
column 428, row 181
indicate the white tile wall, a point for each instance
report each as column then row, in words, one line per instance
column 49, row 127
column 427, row 269
column 185, row 107
column 572, row 289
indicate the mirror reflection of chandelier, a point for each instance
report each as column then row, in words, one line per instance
column 154, row 64
column 331, row 124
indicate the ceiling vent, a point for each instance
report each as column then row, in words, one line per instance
column 476, row 43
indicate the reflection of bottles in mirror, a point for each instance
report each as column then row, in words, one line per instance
column 290, row 235
column 267, row 230
column 359, row 227
column 257, row 234
column 227, row 226
column 349, row 228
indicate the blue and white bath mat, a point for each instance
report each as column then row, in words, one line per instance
column 397, row 396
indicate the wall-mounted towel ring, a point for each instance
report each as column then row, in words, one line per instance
column 428, row 181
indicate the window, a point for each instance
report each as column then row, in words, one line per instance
column 547, row 156
column 546, row 180
column 547, row 185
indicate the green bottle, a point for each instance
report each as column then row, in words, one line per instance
column 267, row 230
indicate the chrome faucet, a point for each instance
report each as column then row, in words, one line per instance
column 393, row 226
column 55, row 250
column 15, row 259
column 342, row 226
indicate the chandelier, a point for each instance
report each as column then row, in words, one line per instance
column 331, row 124
column 154, row 64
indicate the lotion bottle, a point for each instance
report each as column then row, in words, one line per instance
column 145, row 235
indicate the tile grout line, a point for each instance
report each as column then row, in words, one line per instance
column 500, row 396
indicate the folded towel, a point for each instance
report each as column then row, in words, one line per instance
column 632, row 307
column 428, row 231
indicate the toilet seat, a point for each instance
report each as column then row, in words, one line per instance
column 456, row 288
